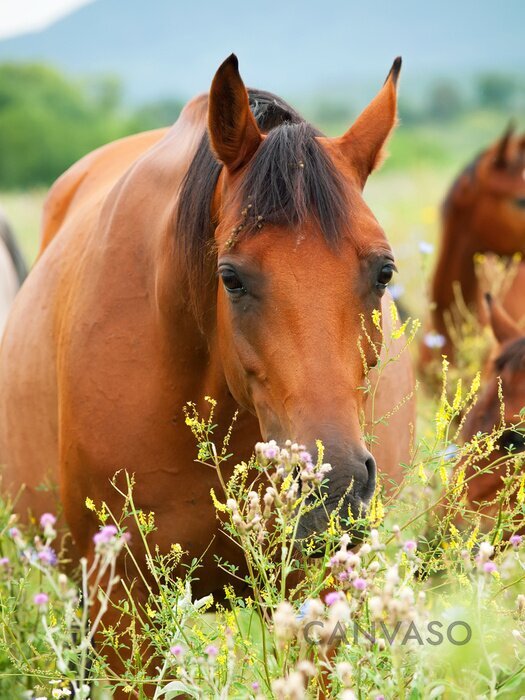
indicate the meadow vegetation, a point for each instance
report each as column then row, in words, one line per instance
column 427, row 603
column 431, row 601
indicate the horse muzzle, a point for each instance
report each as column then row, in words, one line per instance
column 346, row 495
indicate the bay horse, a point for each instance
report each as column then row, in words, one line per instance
column 231, row 255
column 484, row 212
column 506, row 364
column 13, row 269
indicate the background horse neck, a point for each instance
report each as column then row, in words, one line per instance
column 455, row 264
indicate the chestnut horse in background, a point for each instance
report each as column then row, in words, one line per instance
column 13, row 270
column 507, row 364
column 483, row 212
column 231, row 255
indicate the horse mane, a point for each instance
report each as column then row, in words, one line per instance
column 512, row 356
column 468, row 171
column 289, row 179
column 7, row 237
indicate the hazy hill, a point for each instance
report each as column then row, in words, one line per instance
column 172, row 47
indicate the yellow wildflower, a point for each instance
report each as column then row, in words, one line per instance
column 221, row 507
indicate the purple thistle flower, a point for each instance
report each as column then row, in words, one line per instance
column 516, row 540
column 410, row 546
column 489, row 567
column 359, row 584
column 41, row 599
column 47, row 556
column 271, row 452
column 255, row 686
column 106, row 534
column 211, row 651
column 332, row 597
column 14, row 532
column 4, row 561
column 176, row 650
column 305, row 456
column 47, row 520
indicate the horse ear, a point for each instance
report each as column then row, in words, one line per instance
column 365, row 141
column 503, row 326
column 501, row 154
column 234, row 134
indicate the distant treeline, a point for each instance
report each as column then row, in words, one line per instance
column 48, row 120
column 441, row 100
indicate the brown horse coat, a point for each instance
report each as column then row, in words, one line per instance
column 484, row 212
column 102, row 351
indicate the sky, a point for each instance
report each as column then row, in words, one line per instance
column 19, row 16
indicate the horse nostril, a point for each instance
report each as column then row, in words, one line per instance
column 371, row 469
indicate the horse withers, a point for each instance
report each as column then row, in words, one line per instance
column 231, row 255
column 484, row 212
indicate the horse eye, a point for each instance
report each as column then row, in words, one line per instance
column 519, row 202
column 512, row 441
column 232, row 283
column 385, row 276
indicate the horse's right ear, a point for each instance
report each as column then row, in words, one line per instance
column 503, row 326
column 234, row 134
column 364, row 143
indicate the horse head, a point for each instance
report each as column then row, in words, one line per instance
column 301, row 263
column 507, row 366
column 489, row 197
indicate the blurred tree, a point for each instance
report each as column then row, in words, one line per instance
column 155, row 114
column 496, row 90
column 48, row 121
column 331, row 114
column 444, row 101
column 409, row 113
column 106, row 92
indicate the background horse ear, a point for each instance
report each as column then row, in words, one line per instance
column 234, row 134
column 501, row 154
column 365, row 141
column 503, row 326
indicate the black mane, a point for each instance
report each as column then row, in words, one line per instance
column 6, row 235
column 468, row 171
column 289, row 179
column 513, row 356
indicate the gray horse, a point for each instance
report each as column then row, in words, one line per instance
column 13, row 269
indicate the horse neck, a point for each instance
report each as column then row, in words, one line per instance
column 455, row 265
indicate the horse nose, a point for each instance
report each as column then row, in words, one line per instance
column 353, row 473
column 349, row 489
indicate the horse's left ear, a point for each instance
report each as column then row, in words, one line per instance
column 234, row 134
column 502, row 148
column 503, row 326
column 365, row 141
